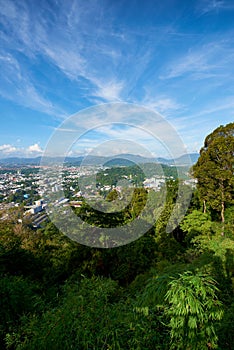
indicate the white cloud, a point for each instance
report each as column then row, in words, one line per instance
column 101, row 62
column 208, row 61
column 34, row 148
column 197, row 118
column 75, row 45
column 16, row 86
column 162, row 104
column 109, row 91
column 7, row 149
column 8, row 9
column 83, row 44
column 215, row 6
column 192, row 62
column 68, row 61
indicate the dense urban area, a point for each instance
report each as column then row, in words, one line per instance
column 27, row 187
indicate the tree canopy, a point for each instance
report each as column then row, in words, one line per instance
column 214, row 169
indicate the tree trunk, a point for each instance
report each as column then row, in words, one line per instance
column 222, row 208
column 222, row 217
column 222, row 212
column 204, row 206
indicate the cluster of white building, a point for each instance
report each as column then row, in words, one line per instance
column 154, row 183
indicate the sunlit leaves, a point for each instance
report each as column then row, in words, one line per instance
column 193, row 310
column 214, row 168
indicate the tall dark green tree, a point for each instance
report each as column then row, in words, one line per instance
column 214, row 169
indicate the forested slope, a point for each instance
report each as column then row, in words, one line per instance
column 166, row 290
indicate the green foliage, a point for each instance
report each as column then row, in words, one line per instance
column 18, row 296
column 90, row 316
column 157, row 286
column 193, row 310
column 130, row 260
column 14, row 259
column 214, row 168
column 136, row 174
column 226, row 329
column 196, row 223
column 113, row 195
column 110, row 177
column 99, row 218
column 221, row 247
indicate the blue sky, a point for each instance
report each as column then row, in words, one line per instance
column 58, row 57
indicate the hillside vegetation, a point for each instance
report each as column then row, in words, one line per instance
column 166, row 290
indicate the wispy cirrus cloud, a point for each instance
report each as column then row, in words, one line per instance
column 110, row 91
column 204, row 120
column 59, row 57
column 66, row 43
column 120, row 122
column 206, row 61
column 82, row 43
column 224, row 105
column 15, row 85
column 214, row 6
column 162, row 104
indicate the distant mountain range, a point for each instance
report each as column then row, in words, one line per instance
column 117, row 160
